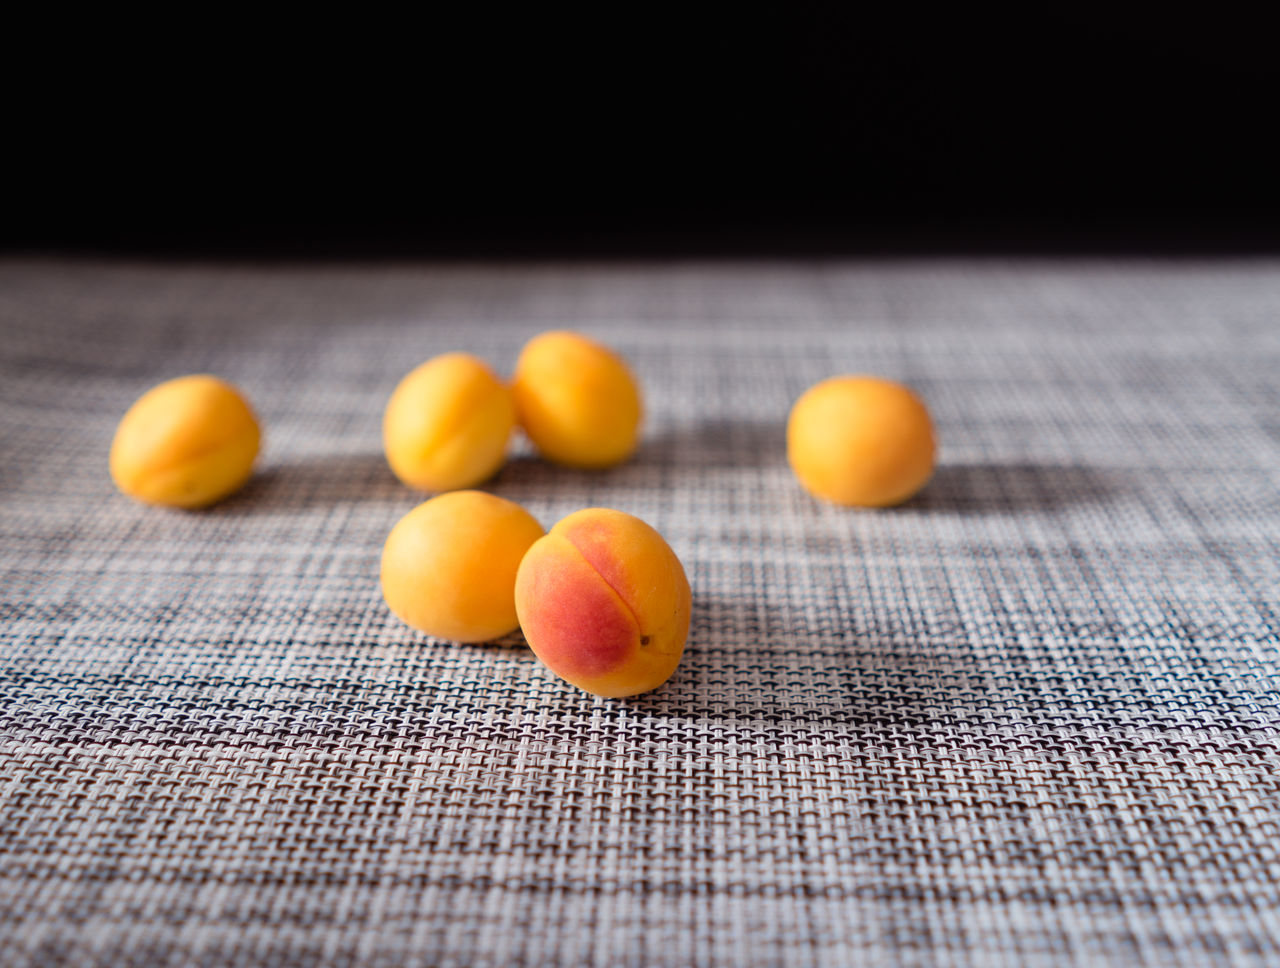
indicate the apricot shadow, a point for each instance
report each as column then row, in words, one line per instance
column 523, row 470
column 716, row 443
column 752, row 660
column 309, row 481
column 993, row 487
column 512, row 644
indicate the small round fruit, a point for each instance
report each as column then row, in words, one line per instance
column 577, row 400
column 185, row 443
column 447, row 423
column 604, row 602
column 860, row 440
column 449, row 565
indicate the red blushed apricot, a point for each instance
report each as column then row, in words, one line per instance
column 578, row 621
column 604, row 602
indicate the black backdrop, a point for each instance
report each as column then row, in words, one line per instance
column 828, row 128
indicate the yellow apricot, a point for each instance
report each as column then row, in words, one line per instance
column 604, row 602
column 447, row 423
column 860, row 440
column 185, row 443
column 577, row 400
column 449, row 565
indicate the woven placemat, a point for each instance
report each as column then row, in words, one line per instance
column 1029, row 718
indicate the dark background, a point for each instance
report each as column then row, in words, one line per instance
column 646, row 133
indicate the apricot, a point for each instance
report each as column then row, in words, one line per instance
column 860, row 440
column 185, row 443
column 447, row 423
column 604, row 602
column 449, row 565
column 577, row 400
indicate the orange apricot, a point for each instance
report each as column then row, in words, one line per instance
column 447, row 424
column 577, row 400
column 185, row 443
column 860, row 440
column 449, row 565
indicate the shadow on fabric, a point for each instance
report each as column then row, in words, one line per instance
column 982, row 488
column 717, row 443
column 312, row 480
column 752, row 660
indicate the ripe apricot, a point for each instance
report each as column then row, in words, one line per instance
column 577, row 400
column 449, row 565
column 604, row 602
column 860, row 440
column 447, row 423
column 185, row 443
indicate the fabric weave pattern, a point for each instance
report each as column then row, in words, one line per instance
column 1030, row 718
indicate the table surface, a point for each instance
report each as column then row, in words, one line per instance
column 1029, row 718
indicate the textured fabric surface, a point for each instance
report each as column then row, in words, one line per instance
column 1029, row 718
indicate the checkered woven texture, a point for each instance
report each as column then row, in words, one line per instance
column 1029, row 718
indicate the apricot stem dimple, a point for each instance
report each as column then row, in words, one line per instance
column 644, row 640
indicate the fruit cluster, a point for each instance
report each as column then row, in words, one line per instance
column 601, row 598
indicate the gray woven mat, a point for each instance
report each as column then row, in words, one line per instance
column 1029, row 718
